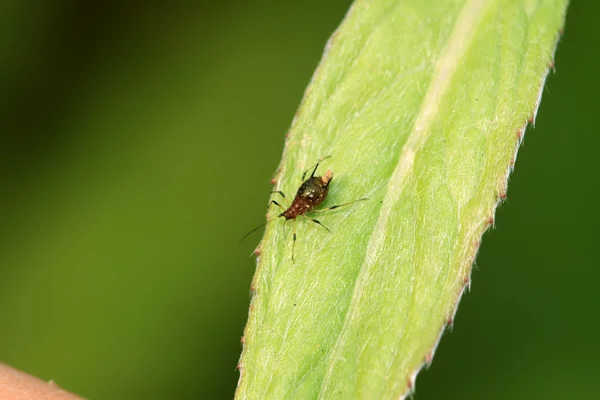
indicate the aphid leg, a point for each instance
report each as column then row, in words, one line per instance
column 315, row 166
column 260, row 226
column 294, row 242
column 313, row 172
column 316, row 221
column 281, row 193
column 277, row 204
column 339, row 205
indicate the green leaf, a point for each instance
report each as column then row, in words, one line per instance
column 422, row 106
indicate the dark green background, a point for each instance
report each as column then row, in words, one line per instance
column 137, row 147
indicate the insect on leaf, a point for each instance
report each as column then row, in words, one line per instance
column 422, row 105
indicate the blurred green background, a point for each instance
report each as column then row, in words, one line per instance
column 137, row 146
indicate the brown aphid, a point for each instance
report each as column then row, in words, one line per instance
column 310, row 195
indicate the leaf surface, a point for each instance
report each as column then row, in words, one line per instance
column 422, row 106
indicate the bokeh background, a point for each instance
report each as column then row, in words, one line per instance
column 137, row 144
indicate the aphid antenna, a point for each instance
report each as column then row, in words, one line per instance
column 258, row 227
column 315, row 166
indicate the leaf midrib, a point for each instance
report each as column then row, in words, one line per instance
column 458, row 42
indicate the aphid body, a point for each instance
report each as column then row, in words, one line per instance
column 310, row 195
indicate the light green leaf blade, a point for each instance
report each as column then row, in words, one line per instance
column 422, row 106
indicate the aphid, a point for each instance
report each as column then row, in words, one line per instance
column 310, row 194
